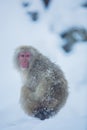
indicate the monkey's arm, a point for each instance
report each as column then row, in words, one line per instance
column 53, row 98
column 46, row 99
column 51, row 94
column 28, row 100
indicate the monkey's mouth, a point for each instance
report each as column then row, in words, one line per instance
column 24, row 65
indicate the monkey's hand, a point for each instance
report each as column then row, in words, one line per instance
column 43, row 112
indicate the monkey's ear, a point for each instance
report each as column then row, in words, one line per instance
column 46, row 2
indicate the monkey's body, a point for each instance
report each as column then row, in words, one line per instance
column 45, row 88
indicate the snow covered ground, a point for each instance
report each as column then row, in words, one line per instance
column 16, row 30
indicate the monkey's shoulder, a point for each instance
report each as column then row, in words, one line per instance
column 42, row 65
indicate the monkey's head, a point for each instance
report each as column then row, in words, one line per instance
column 24, row 57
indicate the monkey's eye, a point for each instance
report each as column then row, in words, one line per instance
column 22, row 55
column 27, row 55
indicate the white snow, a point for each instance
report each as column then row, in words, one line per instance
column 16, row 30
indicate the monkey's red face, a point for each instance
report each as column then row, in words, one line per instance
column 24, row 58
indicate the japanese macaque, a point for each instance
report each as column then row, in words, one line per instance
column 45, row 90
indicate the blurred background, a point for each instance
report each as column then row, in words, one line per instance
column 58, row 29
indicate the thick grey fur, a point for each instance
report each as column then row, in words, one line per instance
column 45, row 88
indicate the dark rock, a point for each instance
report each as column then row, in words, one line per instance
column 72, row 36
column 85, row 5
column 25, row 4
column 46, row 2
column 33, row 15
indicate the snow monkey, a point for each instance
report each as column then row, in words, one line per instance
column 45, row 90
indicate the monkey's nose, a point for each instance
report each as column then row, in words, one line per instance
column 33, row 15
